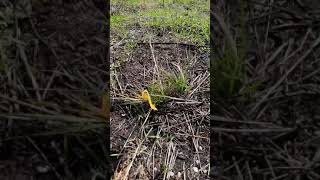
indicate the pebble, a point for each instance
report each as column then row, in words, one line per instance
column 171, row 174
column 42, row 169
column 195, row 169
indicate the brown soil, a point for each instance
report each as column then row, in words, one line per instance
column 171, row 119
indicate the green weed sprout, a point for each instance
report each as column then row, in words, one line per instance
column 171, row 85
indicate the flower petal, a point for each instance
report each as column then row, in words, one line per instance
column 145, row 96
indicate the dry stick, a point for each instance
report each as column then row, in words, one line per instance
column 270, row 167
column 177, row 99
column 195, row 140
column 193, row 136
column 48, row 84
column 134, row 156
column 23, row 56
column 230, row 120
column 267, row 31
column 282, row 154
column 156, row 70
column 45, row 43
column 41, row 39
column 27, row 104
column 227, row 32
column 173, row 43
column 231, row 166
column 153, row 152
column 237, row 168
column 204, row 79
column 310, row 75
column 273, row 56
column 314, row 45
column 249, row 170
column 269, row 130
column 71, row 130
column 170, row 159
column 126, row 142
column 184, row 171
column 115, row 75
column 62, row 118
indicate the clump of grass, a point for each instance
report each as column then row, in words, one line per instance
column 131, row 45
column 171, row 85
column 230, row 70
column 176, row 84
column 229, row 75
column 156, row 88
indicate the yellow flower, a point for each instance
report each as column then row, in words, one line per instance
column 145, row 96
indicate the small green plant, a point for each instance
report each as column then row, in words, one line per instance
column 250, row 89
column 176, row 84
column 171, row 85
column 165, row 169
column 230, row 70
column 131, row 45
column 157, row 89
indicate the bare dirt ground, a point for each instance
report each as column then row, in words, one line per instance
column 273, row 133
column 178, row 129
column 172, row 142
column 52, row 78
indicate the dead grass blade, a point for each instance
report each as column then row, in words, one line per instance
column 45, row 117
column 27, row 104
column 123, row 174
column 231, row 42
column 270, row 91
column 269, row 130
column 24, row 58
column 69, row 130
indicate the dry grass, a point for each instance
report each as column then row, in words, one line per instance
column 173, row 142
column 162, row 141
column 51, row 125
column 269, row 132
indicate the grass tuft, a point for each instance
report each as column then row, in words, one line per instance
column 230, row 70
column 171, row 85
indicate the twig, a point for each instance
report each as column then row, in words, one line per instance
column 27, row 104
column 23, row 56
column 269, row 130
column 175, row 43
column 308, row 52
